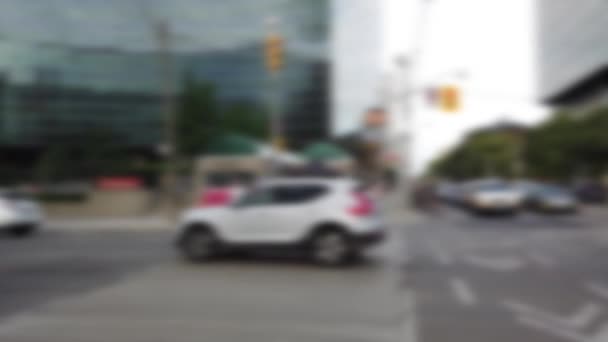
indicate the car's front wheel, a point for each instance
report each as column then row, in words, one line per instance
column 199, row 243
column 332, row 248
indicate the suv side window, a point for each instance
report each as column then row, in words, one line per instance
column 297, row 194
column 256, row 197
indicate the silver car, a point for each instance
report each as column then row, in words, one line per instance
column 493, row 197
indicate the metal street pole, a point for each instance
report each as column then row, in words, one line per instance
column 274, row 63
column 406, row 90
column 163, row 34
column 275, row 110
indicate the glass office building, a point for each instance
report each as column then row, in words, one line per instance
column 573, row 52
column 93, row 65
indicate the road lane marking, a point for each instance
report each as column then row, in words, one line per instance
column 557, row 331
column 409, row 330
column 597, row 289
column 578, row 320
column 410, row 324
column 542, row 260
column 463, row 292
column 585, row 316
column 568, row 328
column 498, row 264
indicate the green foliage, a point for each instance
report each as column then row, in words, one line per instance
column 245, row 119
column 566, row 146
column 52, row 164
column 487, row 154
column 197, row 117
column 201, row 119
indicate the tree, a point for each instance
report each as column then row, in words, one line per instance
column 566, row 146
column 570, row 145
column 53, row 164
column 245, row 119
column 482, row 154
column 197, row 120
column 201, row 118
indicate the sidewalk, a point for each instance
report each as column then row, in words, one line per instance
column 125, row 223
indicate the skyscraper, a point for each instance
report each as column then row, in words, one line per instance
column 573, row 52
column 69, row 65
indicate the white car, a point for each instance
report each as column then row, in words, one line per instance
column 19, row 215
column 329, row 218
column 493, row 197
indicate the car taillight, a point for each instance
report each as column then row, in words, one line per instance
column 363, row 206
column 215, row 198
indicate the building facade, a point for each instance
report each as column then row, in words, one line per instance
column 56, row 92
column 573, row 53
column 357, row 52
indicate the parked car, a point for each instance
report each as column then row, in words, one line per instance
column 19, row 215
column 591, row 192
column 549, row 198
column 331, row 219
column 493, row 197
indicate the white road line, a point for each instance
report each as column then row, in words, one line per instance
column 578, row 320
column 585, row 316
column 549, row 328
column 409, row 330
column 410, row 324
column 440, row 254
column 597, row 289
column 542, row 260
column 463, row 292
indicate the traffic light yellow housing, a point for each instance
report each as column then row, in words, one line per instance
column 450, row 99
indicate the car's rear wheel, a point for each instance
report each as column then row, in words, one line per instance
column 22, row 231
column 199, row 243
column 332, row 247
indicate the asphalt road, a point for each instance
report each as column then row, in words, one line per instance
column 86, row 286
column 457, row 278
column 524, row 278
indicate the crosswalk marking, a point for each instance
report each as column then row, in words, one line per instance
column 463, row 292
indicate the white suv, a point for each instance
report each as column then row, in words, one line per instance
column 329, row 218
column 19, row 215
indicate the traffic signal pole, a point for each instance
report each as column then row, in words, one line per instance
column 163, row 35
column 406, row 89
column 274, row 55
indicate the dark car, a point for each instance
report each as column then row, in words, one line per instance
column 591, row 192
column 550, row 198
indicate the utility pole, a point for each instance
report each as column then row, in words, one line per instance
column 169, row 93
column 274, row 59
column 406, row 66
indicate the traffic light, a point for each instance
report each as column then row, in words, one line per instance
column 449, row 99
column 274, row 51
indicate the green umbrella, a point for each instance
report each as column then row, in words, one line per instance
column 325, row 152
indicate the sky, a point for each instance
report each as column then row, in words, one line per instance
column 489, row 44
